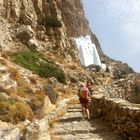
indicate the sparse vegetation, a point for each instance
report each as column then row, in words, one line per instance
column 51, row 21
column 4, row 55
column 33, row 80
column 14, row 73
column 35, row 62
column 14, row 111
column 3, row 62
column 2, row 89
column 37, row 100
column 97, row 67
column 107, row 69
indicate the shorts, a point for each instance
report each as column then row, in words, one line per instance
column 84, row 102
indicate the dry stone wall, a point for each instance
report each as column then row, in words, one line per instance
column 122, row 116
column 122, row 88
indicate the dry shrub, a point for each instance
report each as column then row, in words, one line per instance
column 2, row 97
column 37, row 103
column 24, row 91
column 3, row 62
column 21, row 93
column 3, row 71
column 33, row 80
column 14, row 74
column 2, row 89
column 14, row 111
column 23, row 88
column 37, row 100
column 21, row 84
column 19, row 112
column 4, row 55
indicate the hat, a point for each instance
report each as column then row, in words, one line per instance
column 81, row 84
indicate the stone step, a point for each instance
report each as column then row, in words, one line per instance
column 72, row 114
column 73, row 131
column 76, row 106
column 89, row 136
column 75, row 127
column 70, row 119
column 74, row 110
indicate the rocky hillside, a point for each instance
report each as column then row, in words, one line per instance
column 38, row 54
column 39, row 63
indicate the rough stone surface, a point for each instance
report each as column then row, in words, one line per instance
column 25, row 33
column 136, row 94
column 73, row 126
column 121, row 115
column 22, row 27
column 51, row 93
column 123, row 88
column 9, row 132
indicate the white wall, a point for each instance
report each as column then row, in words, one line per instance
column 87, row 51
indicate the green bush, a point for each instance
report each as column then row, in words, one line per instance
column 35, row 62
column 50, row 21
column 97, row 68
column 107, row 69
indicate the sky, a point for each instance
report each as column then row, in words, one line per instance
column 116, row 23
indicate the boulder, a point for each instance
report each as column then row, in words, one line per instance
column 51, row 93
column 32, row 44
column 25, row 33
column 41, row 32
column 41, row 35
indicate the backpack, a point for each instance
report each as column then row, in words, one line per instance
column 88, row 84
column 84, row 92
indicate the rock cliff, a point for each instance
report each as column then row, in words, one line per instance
column 39, row 63
column 33, row 13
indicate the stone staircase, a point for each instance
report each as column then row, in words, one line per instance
column 73, row 126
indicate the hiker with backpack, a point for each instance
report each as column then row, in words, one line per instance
column 88, row 85
column 84, row 96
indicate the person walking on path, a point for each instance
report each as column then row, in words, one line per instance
column 88, row 85
column 84, row 96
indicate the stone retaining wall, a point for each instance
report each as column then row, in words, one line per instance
column 122, row 88
column 122, row 116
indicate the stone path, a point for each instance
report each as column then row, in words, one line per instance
column 73, row 126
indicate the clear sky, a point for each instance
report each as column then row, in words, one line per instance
column 116, row 24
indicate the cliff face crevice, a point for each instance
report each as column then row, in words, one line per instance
column 74, row 17
column 38, row 10
column 16, row 10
